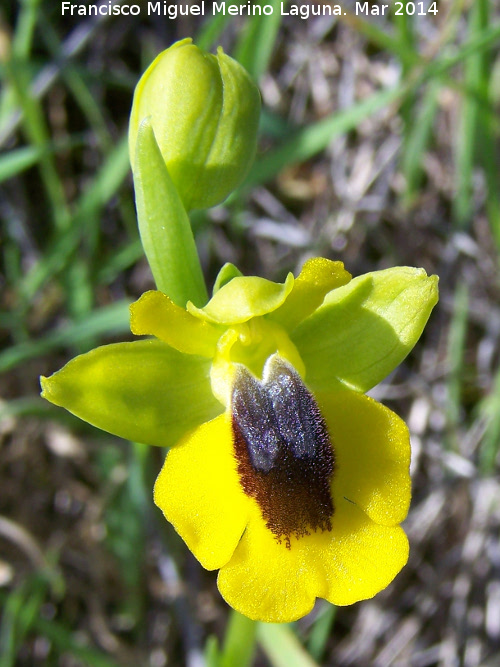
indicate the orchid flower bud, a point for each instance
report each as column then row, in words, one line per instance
column 204, row 111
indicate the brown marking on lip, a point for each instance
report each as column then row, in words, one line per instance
column 283, row 450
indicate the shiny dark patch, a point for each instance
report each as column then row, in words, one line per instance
column 284, row 453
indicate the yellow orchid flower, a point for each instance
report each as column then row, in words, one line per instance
column 282, row 474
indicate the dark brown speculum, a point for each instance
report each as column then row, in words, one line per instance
column 283, row 449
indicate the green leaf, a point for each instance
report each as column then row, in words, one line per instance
column 143, row 391
column 164, row 225
column 211, row 653
column 282, row 647
column 366, row 328
column 239, row 642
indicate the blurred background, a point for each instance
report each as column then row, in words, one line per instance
column 379, row 146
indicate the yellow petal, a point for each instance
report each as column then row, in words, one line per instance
column 266, row 581
column 198, row 491
column 154, row 314
column 317, row 277
column 243, row 298
column 372, row 455
column 359, row 557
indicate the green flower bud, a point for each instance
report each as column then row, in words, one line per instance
column 204, row 110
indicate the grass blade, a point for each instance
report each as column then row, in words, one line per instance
column 256, row 44
column 476, row 66
column 455, row 362
column 210, row 31
column 282, row 647
column 239, row 642
column 36, row 130
column 308, row 141
column 320, row 632
column 490, row 444
column 107, row 321
column 417, row 140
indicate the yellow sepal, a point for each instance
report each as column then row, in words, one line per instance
column 154, row 314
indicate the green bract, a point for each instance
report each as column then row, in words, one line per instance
column 204, row 111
